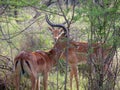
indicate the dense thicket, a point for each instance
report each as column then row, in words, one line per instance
column 23, row 27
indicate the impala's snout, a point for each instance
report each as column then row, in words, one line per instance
column 55, row 39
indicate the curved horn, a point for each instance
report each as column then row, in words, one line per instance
column 56, row 25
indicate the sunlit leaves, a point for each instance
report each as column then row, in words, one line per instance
column 20, row 3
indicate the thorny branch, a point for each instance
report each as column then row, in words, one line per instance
column 5, row 63
column 2, row 11
column 18, row 33
column 68, row 26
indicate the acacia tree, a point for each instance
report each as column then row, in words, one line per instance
column 103, row 20
column 99, row 17
column 103, row 17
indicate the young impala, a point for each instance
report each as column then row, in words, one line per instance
column 77, row 51
column 33, row 63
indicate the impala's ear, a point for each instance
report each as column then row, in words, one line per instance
column 51, row 28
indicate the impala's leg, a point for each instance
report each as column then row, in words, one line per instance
column 33, row 81
column 17, row 80
column 109, row 71
column 38, row 84
column 75, row 72
column 45, row 78
column 71, row 77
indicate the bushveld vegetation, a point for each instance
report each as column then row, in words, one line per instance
column 23, row 27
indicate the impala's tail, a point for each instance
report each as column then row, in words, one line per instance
column 21, row 63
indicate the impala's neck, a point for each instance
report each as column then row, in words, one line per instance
column 57, row 50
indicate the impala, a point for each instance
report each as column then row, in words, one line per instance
column 77, row 51
column 33, row 63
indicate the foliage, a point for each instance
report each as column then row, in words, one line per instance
column 23, row 27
